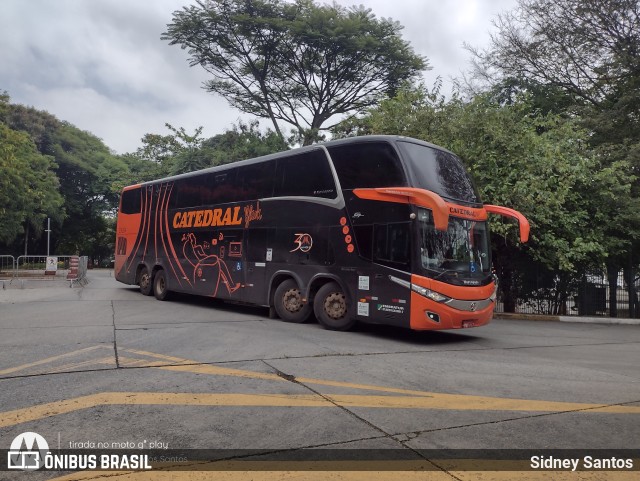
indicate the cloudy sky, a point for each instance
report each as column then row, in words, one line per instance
column 100, row 64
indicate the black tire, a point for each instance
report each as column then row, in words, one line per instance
column 331, row 308
column 146, row 282
column 160, row 286
column 289, row 304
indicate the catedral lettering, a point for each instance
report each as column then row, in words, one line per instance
column 340, row 230
column 207, row 218
column 463, row 212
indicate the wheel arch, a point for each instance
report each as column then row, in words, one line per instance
column 320, row 280
column 278, row 278
column 141, row 266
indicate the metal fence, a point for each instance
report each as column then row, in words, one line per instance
column 43, row 267
column 7, row 267
column 593, row 294
column 38, row 266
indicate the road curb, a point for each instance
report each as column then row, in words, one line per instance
column 574, row 319
column 41, row 283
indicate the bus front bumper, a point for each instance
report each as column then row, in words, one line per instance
column 427, row 314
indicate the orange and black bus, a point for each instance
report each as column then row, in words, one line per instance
column 376, row 229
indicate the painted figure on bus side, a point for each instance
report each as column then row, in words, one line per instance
column 204, row 263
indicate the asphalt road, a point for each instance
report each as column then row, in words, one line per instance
column 104, row 364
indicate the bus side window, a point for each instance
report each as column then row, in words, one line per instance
column 255, row 181
column 367, row 165
column 219, row 188
column 306, row 174
column 391, row 243
column 131, row 201
column 188, row 193
column 364, row 240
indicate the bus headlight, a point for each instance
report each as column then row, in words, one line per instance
column 429, row 294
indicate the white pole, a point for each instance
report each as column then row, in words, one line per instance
column 48, row 234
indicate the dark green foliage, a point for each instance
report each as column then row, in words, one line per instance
column 28, row 185
column 78, row 168
column 177, row 153
column 587, row 51
column 579, row 204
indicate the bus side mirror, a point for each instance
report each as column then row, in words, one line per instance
column 411, row 195
column 506, row 212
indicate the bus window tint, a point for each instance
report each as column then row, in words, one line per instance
column 131, row 201
column 188, row 193
column 364, row 240
column 255, row 181
column 367, row 165
column 392, row 243
column 439, row 171
column 307, row 174
column 218, row 188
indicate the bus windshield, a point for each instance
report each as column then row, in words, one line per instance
column 461, row 253
column 439, row 171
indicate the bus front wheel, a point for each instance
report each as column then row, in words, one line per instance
column 330, row 307
column 289, row 303
column 146, row 286
column 160, row 286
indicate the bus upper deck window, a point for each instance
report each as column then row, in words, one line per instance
column 307, row 174
column 131, row 201
column 367, row 165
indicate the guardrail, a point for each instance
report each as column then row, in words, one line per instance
column 71, row 268
column 7, row 267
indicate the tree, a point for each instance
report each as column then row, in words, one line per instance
column 85, row 170
column 539, row 164
column 28, row 186
column 243, row 141
column 590, row 50
column 180, row 152
column 297, row 63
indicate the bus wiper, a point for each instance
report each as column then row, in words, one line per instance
column 441, row 272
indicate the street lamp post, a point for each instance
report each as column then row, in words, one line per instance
column 48, row 231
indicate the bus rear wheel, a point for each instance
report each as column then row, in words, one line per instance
column 290, row 304
column 160, row 286
column 330, row 307
column 146, row 287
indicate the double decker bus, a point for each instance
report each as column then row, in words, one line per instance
column 374, row 229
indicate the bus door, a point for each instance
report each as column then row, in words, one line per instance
column 385, row 286
column 256, row 256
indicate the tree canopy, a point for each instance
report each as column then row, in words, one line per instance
column 59, row 171
column 298, row 63
column 28, row 185
column 586, row 53
column 538, row 163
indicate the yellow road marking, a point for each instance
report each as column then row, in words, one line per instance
column 341, row 470
column 47, row 360
column 273, row 474
column 187, row 365
column 11, row 418
column 436, row 401
column 77, row 365
column 409, row 399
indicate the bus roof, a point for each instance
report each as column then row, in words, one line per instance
column 286, row 153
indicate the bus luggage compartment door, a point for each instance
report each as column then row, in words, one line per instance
column 381, row 301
